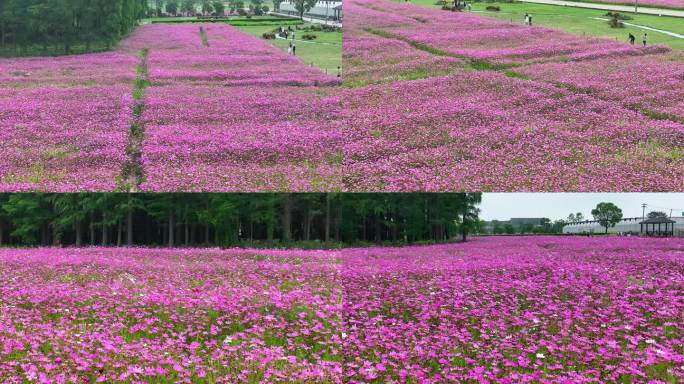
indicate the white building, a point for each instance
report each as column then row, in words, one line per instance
column 323, row 10
column 627, row 225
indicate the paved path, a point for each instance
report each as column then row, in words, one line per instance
column 611, row 7
column 673, row 34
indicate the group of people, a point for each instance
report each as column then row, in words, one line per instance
column 286, row 34
column 632, row 38
column 528, row 19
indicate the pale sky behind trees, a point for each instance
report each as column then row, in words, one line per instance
column 503, row 206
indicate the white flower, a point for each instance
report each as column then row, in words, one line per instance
column 540, row 356
column 228, row 340
column 650, row 341
column 344, row 335
column 535, row 320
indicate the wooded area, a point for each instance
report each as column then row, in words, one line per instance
column 66, row 26
column 186, row 219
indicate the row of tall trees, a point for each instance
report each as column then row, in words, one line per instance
column 186, row 219
column 49, row 24
column 546, row 226
column 191, row 7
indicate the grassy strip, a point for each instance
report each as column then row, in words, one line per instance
column 476, row 64
column 132, row 173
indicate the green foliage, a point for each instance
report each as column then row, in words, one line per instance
column 607, row 214
column 271, row 220
column 65, row 24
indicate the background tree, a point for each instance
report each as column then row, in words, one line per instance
column 468, row 213
column 189, row 7
column 219, row 8
column 607, row 214
column 656, row 215
column 303, row 6
column 172, row 7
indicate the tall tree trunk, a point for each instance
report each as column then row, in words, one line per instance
column 105, row 240
column 327, row 218
column 187, row 232
column 338, row 223
column 269, row 231
column 119, row 233
column 129, row 225
column 92, row 229
column 148, row 230
column 307, row 225
column 77, row 229
column 287, row 218
column 378, row 229
column 44, row 237
column 206, row 234
column 172, row 227
column 2, row 233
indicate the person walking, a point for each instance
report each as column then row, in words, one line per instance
column 631, row 39
column 527, row 18
column 294, row 50
column 643, row 40
column 289, row 49
column 339, row 71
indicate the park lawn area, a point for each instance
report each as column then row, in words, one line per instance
column 325, row 52
column 579, row 21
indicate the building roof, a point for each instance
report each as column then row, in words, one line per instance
column 658, row 220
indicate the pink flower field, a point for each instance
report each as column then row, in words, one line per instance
column 509, row 310
column 237, row 114
column 518, row 109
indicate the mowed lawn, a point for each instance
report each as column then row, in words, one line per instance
column 580, row 21
column 325, row 52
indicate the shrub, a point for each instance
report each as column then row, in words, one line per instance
column 619, row 15
column 615, row 21
column 494, row 8
column 308, row 36
column 269, row 35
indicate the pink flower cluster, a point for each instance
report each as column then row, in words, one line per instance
column 573, row 126
column 486, row 130
column 516, row 310
column 651, row 84
column 508, row 310
column 64, row 121
column 475, row 37
column 238, row 115
column 143, row 315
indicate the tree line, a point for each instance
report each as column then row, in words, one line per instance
column 272, row 219
column 66, row 25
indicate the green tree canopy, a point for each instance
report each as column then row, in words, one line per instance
column 607, row 214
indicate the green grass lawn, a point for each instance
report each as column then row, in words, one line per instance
column 325, row 52
column 579, row 21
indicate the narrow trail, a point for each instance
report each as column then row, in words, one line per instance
column 132, row 174
column 664, row 32
column 612, row 7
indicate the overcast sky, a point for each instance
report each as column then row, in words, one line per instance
column 503, row 206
